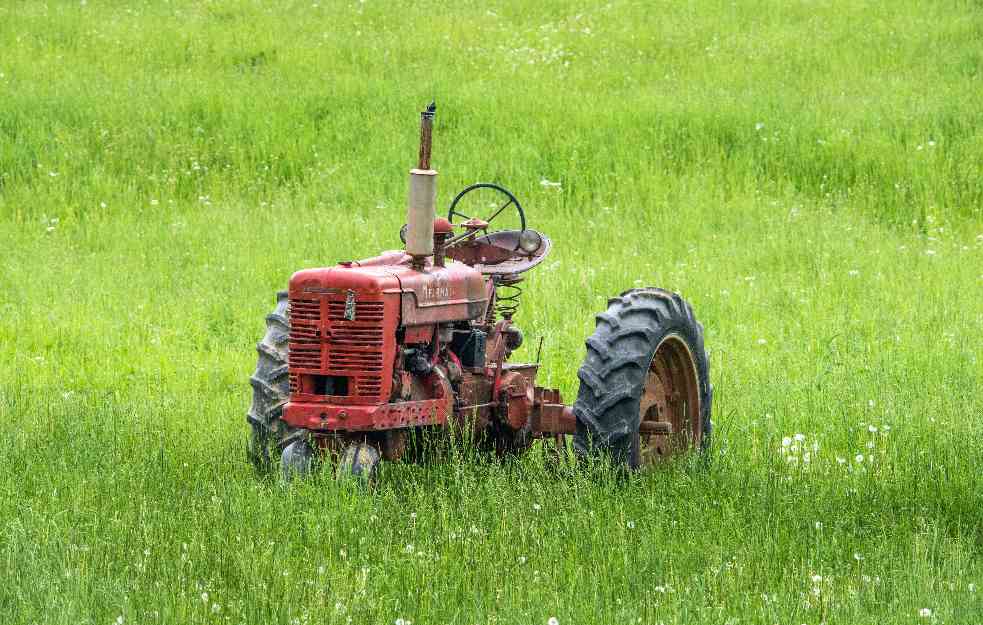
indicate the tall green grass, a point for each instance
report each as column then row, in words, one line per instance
column 806, row 174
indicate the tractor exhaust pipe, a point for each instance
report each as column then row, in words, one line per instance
column 422, row 199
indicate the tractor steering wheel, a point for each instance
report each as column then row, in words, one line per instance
column 453, row 212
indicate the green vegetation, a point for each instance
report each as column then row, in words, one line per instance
column 807, row 174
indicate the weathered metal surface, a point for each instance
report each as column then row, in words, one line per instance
column 500, row 253
column 669, row 410
column 441, row 294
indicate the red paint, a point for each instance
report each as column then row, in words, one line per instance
column 343, row 331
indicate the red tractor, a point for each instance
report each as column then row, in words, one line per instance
column 362, row 359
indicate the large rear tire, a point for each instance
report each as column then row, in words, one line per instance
column 645, row 362
column 271, row 389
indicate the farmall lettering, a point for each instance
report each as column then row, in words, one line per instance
column 439, row 289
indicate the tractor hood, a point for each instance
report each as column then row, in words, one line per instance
column 429, row 295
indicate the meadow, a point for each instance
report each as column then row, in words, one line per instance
column 806, row 173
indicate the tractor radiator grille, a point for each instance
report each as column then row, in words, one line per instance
column 305, row 347
column 355, row 346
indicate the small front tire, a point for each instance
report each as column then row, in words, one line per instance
column 359, row 461
column 297, row 460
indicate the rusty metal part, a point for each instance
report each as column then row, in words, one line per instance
column 669, row 410
column 516, row 397
column 394, row 444
column 549, row 414
column 498, row 253
column 474, row 401
column 426, row 135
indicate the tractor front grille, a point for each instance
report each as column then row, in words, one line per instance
column 355, row 346
column 335, row 346
column 305, row 324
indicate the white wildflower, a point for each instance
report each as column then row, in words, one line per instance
column 925, row 612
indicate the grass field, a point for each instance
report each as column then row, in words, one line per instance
column 807, row 174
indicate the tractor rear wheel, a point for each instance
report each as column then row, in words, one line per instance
column 271, row 388
column 645, row 392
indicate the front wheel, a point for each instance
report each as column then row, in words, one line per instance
column 645, row 391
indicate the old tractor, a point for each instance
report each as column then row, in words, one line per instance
column 363, row 359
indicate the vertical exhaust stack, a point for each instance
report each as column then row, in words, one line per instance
column 422, row 199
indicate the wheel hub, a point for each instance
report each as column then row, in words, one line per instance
column 670, row 396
